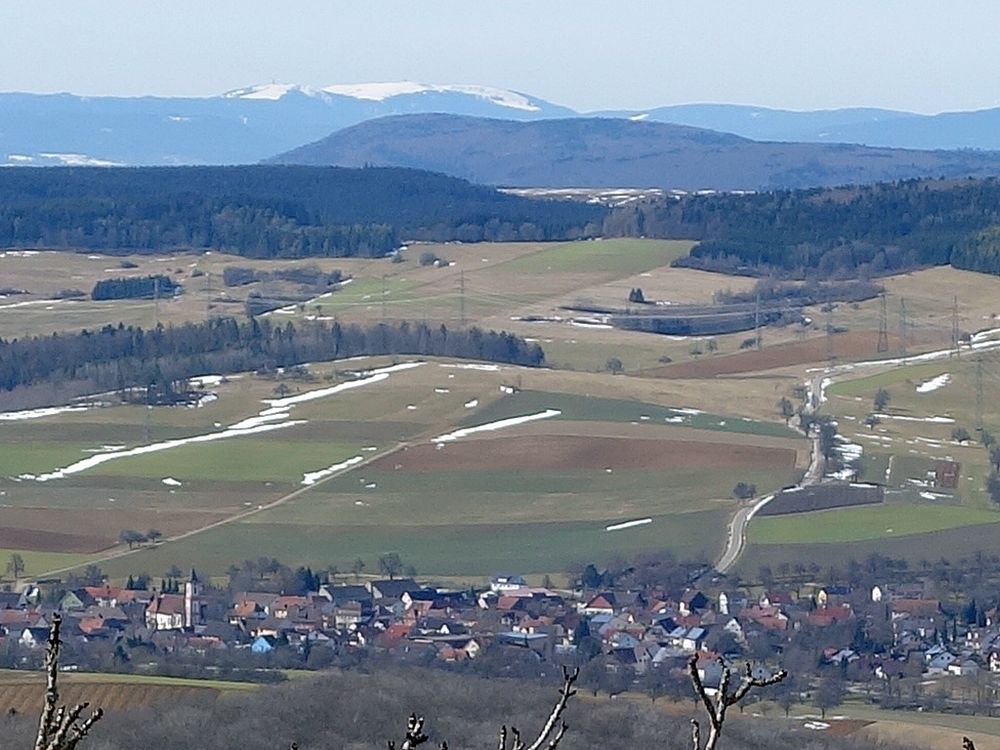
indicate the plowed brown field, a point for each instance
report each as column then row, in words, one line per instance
column 852, row 345
column 111, row 696
column 578, row 452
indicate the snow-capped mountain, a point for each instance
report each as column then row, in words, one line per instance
column 250, row 124
column 380, row 92
column 240, row 126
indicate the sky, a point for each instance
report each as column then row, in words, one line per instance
column 919, row 55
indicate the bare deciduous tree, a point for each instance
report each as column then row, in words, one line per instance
column 723, row 698
column 60, row 727
column 548, row 738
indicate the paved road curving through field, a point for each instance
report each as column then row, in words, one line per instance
column 736, row 533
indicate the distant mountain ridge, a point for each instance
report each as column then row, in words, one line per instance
column 253, row 123
column 607, row 152
column 242, row 126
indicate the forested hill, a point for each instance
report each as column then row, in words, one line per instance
column 268, row 211
column 606, row 152
column 841, row 232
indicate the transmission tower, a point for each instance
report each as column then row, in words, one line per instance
column 883, row 327
column 954, row 328
column 383, row 298
column 756, row 320
column 156, row 301
column 902, row 326
column 208, row 295
column 461, row 296
column 829, row 334
column 979, row 393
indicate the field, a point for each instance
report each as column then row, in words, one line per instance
column 23, row 692
column 538, row 495
column 359, row 473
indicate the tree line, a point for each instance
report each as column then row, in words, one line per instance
column 269, row 211
column 135, row 287
column 848, row 232
column 121, row 357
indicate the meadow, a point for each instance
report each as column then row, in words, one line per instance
column 626, row 447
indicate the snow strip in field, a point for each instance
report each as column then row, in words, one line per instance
column 902, row 418
column 31, row 303
column 204, row 381
column 171, row 482
column 481, row 368
column 311, row 477
column 48, row 411
column 934, row 383
column 499, row 425
column 628, row 524
column 96, row 460
column 368, row 378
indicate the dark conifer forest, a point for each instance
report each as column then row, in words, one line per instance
column 135, row 287
column 119, row 357
column 836, row 233
column 269, row 211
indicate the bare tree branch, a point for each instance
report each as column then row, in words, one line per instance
column 723, row 698
column 59, row 727
column 549, row 737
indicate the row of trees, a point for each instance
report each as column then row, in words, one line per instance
column 135, row 287
column 120, row 357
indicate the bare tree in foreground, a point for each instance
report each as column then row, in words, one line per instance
column 723, row 699
column 60, row 727
column 548, row 738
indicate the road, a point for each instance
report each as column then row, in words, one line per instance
column 119, row 553
column 736, row 533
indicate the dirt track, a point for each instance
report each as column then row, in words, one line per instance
column 579, row 452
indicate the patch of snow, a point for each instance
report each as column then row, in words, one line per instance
column 378, row 92
column 639, row 118
column 903, row 418
column 171, row 482
column 100, row 458
column 498, row 425
column 48, row 411
column 472, row 404
column 441, row 390
column 204, row 381
column 934, row 383
column 628, row 524
column 685, row 410
column 311, row 477
column 80, row 160
column 368, row 378
column 481, row 368
column 31, row 302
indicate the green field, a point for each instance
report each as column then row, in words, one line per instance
column 597, row 409
column 620, row 257
column 859, row 524
column 451, row 549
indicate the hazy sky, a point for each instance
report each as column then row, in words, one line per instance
column 922, row 55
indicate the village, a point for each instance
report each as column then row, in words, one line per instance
column 897, row 645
